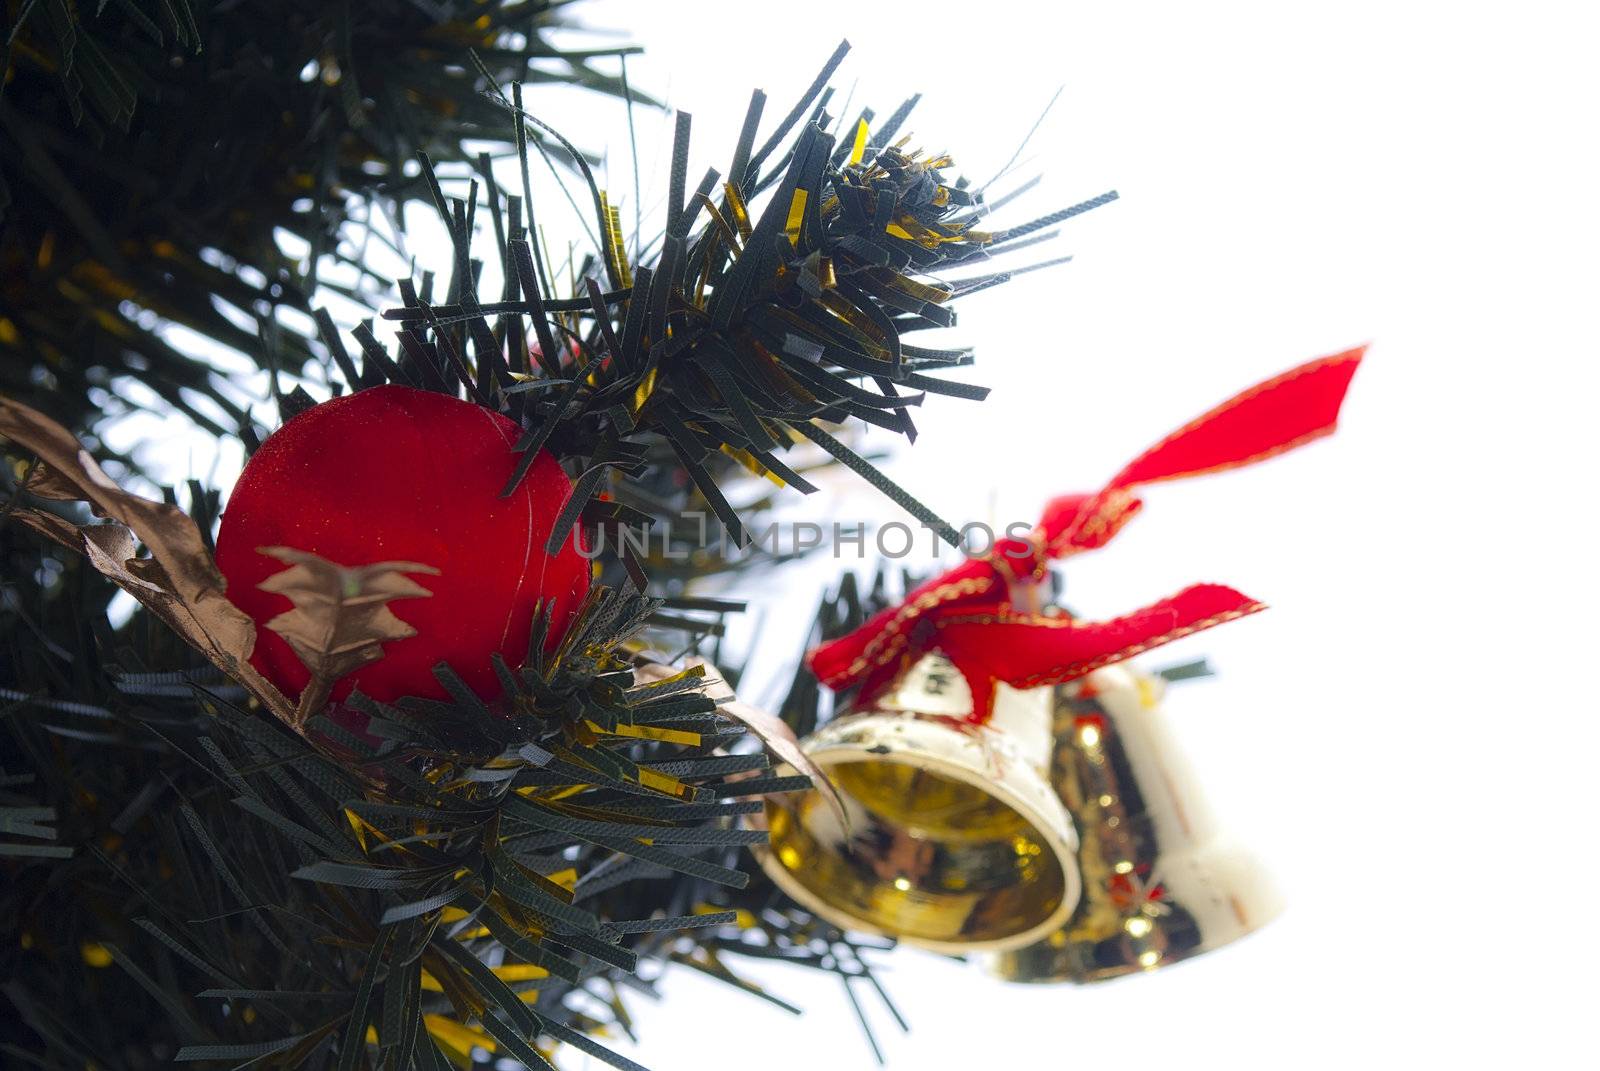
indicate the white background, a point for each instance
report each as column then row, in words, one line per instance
column 1407, row 738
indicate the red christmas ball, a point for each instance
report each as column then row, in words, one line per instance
column 400, row 474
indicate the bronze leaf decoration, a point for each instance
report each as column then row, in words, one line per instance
column 179, row 582
column 341, row 617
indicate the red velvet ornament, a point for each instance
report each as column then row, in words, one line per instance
column 400, row 474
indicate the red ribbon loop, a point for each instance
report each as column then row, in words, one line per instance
column 966, row 612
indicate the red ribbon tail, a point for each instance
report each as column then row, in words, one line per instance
column 1273, row 417
column 1028, row 651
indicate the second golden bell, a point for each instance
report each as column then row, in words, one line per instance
column 1162, row 883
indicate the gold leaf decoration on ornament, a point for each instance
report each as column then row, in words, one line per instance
column 341, row 617
column 179, row 582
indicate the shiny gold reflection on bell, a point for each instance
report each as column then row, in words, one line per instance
column 1160, row 883
column 956, row 840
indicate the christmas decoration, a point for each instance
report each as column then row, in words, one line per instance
column 411, row 475
column 358, row 824
column 1160, row 881
column 378, row 769
column 964, row 666
column 584, row 763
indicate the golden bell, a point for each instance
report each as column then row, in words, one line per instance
column 955, row 841
column 1160, row 883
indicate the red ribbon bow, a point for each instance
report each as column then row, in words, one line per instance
column 967, row 614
